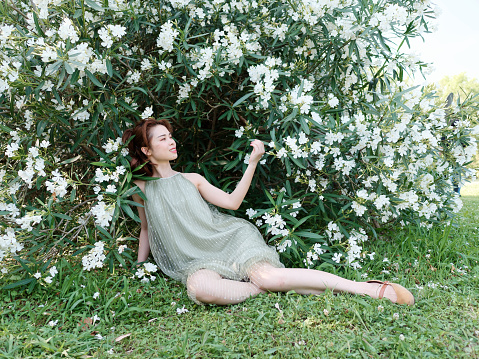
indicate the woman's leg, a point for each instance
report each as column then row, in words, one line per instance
column 311, row 281
column 209, row 287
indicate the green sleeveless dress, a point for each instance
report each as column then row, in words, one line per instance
column 187, row 234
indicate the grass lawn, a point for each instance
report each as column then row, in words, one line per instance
column 141, row 320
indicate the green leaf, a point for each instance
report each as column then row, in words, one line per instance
column 68, row 68
column 93, row 79
column 127, row 209
column 41, row 127
column 5, row 128
column 109, row 67
column 19, row 283
column 248, row 95
column 94, row 5
column 306, row 234
column 62, row 216
column 104, row 232
column 78, row 13
column 70, row 160
column 296, row 162
column 37, row 24
column 102, row 164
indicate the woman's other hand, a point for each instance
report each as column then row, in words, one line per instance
column 258, row 151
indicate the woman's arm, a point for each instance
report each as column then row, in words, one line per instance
column 232, row 200
column 144, row 245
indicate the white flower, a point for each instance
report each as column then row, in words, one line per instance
column 146, row 64
column 67, row 31
column 150, row 267
column 96, row 295
column 53, row 271
column 37, row 275
column 251, row 212
column 95, row 257
column 103, row 213
column 358, row 208
column 117, row 31
column 282, row 247
column 239, row 132
column 337, row 257
column 396, row 315
column 147, row 113
column 381, row 201
column 181, row 310
column 401, row 337
column 52, row 323
column 166, row 37
column 332, row 100
column 111, row 188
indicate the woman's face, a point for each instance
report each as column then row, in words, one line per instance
column 162, row 145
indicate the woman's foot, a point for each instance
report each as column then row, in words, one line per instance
column 394, row 292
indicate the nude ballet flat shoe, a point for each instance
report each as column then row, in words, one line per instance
column 403, row 295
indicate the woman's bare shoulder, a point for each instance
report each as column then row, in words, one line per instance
column 194, row 178
column 141, row 184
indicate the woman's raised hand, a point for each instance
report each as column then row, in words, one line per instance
column 258, row 151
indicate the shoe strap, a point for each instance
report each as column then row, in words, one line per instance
column 383, row 289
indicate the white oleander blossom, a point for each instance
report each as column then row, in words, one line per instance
column 284, row 245
column 9, row 245
column 103, row 213
column 95, row 257
column 276, row 224
column 109, row 33
column 28, row 220
column 112, row 145
column 145, row 273
column 57, row 185
column 167, row 37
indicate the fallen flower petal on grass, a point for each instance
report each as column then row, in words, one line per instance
column 122, row 337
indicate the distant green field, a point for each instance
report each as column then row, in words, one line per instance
column 470, row 189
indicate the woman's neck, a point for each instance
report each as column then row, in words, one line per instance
column 163, row 170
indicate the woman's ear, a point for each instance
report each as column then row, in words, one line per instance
column 146, row 151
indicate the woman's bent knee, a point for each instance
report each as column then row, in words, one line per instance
column 198, row 286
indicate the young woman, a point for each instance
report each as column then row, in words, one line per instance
column 221, row 259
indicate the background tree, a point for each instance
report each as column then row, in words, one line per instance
column 460, row 85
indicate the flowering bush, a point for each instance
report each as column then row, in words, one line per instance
column 351, row 148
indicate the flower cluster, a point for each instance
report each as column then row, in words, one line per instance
column 167, row 37
column 95, row 257
column 114, row 145
column 264, row 77
column 109, row 33
column 58, row 185
column 146, row 272
column 48, row 279
column 103, row 213
column 9, row 246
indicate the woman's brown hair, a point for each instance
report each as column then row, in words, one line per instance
column 142, row 135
